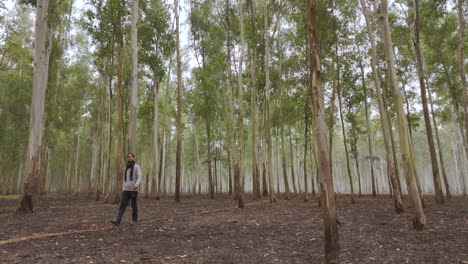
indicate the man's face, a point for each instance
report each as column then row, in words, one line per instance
column 130, row 157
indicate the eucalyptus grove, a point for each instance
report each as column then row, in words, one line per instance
column 250, row 98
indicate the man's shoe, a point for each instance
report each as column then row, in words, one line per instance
column 133, row 222
column 115, row 222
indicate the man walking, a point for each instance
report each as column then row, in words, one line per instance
column 132, row 179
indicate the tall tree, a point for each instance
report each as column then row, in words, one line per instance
column 239, row 166
column 439, row 196
column 461, row 66
column 343, row 130
column 332, row 245
column 419, row 219
column 266, row 105
column 369, row 132
column 253, row 104
column 40, row 74
column 390, row 161
column 134, row 81
column 179, row 107
column 156, row 43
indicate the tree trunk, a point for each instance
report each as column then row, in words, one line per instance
column 240, row 161
column 134, row 81
column 306, row 141
column 208, row 146
column 292, row 161
column 254, row 111
column 439, row 195
column 109, row 134
column 439, row 145
column 178, row 116
column 458, row 156
column 348, row 166
column 391, row 163
column 332, row 246
column 266, row 106
column 77, row 157
column 231, row 131
column 40, row 75
column 197, row 171
column 154, row 157
column 95, row 159
column 229, row 172
column 419, row 220
column 120, row 161
column 336, row 80
column 369, row 132
column 160, row 171
column 253, row 103
column 283, row 159
column 359, row 174
column 461, row 66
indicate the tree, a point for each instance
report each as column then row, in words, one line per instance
column 439, row 196
column 179, row 107
column 391, row 162
column 134, row 81
column 40, row 73
column 419, row 219
column 266, row 110
column 461, row 67
column 332, row 246
column 156, row 44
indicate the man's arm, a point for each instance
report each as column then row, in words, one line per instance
column 139, row 174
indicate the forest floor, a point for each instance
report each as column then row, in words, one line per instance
column 69, row 229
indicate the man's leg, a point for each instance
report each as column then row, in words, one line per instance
column 123, row 205
column 134, row 206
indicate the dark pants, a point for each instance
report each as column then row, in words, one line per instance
column 126, row 196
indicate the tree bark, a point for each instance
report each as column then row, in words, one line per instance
column 348, row 166
column 439, row 195
column 369, row 132
column 461, row 66
column 231, row 131
column 266, row 111
column 419, row 219
column 134, row 75
column 211, row 175
column 332, row 246
column 240, row 161
column 292, row 161
column 391, row 163
column 306, row 141
column 40, row 74
column 95, row 159
column 283, row 159
column 439, row 145
column 254, row 111
column 120, row 160
column 458, row 155
column 179, row 110
column 154, row 157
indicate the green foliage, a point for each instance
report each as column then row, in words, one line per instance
column 155, row 36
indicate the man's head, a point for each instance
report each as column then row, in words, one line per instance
column 131, row 157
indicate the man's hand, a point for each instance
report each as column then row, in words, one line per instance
column 135, row 187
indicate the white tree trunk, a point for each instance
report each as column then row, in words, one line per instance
column 267, row 107
column 40, row 75
column 419, row 220
column 134, row 88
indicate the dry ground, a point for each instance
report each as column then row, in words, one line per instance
column 199, row 230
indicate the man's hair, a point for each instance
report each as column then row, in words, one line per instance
column 133, row 155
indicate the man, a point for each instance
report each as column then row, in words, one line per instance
column 132, row 179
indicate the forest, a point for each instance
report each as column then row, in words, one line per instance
column 267, row 131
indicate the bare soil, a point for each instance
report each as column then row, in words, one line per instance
column 69, row 229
